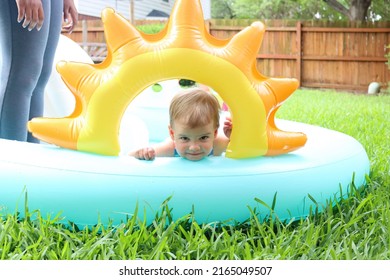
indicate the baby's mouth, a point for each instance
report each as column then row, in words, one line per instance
column 195, row 154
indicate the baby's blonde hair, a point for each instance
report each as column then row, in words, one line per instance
column 194, row 107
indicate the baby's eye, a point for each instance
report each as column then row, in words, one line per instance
column 204, row 138
column 184, row 138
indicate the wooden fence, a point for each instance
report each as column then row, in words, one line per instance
column 340, row 57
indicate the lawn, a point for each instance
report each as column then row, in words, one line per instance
column 356, row 227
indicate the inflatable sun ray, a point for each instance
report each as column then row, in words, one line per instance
column 183, row 49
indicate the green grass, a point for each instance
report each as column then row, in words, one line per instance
column 357, row 227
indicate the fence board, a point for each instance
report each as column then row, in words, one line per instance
column 346, row 56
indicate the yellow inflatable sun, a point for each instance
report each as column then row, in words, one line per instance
column 184, row 49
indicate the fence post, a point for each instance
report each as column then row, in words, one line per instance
column 84, row 24
column 299, row 50
column 132, row 19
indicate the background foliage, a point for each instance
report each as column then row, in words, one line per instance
column 292, row 9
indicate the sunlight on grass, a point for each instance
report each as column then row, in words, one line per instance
column 355, row 226
column 364, row 117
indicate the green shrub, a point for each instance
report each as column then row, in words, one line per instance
column 151, row 28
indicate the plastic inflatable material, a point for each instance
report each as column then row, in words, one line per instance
column 184, row 49
column 87, row 187
column 59, row 101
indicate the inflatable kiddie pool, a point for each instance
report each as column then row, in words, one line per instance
column 291, row 167
column 87, row 187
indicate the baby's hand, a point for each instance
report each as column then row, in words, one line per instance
column 144, row 154
column 227, row 127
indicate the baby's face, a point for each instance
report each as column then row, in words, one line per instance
column 193, row 143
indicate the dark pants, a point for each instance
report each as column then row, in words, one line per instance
column 25, row 63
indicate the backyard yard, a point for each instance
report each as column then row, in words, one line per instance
column 354, row 227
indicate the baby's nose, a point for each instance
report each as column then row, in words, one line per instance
column 194, row 146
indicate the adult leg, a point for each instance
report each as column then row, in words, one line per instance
column 25, row 51
column 37, row 101
column 5, row 50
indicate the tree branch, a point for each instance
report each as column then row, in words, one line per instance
column 336, row 5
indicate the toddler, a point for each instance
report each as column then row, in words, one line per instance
column 193, row 128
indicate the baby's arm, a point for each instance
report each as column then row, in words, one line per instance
column 164, row 149
column 220, row 144
column 222, row 141
column 227, row 127
column 147, row 153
